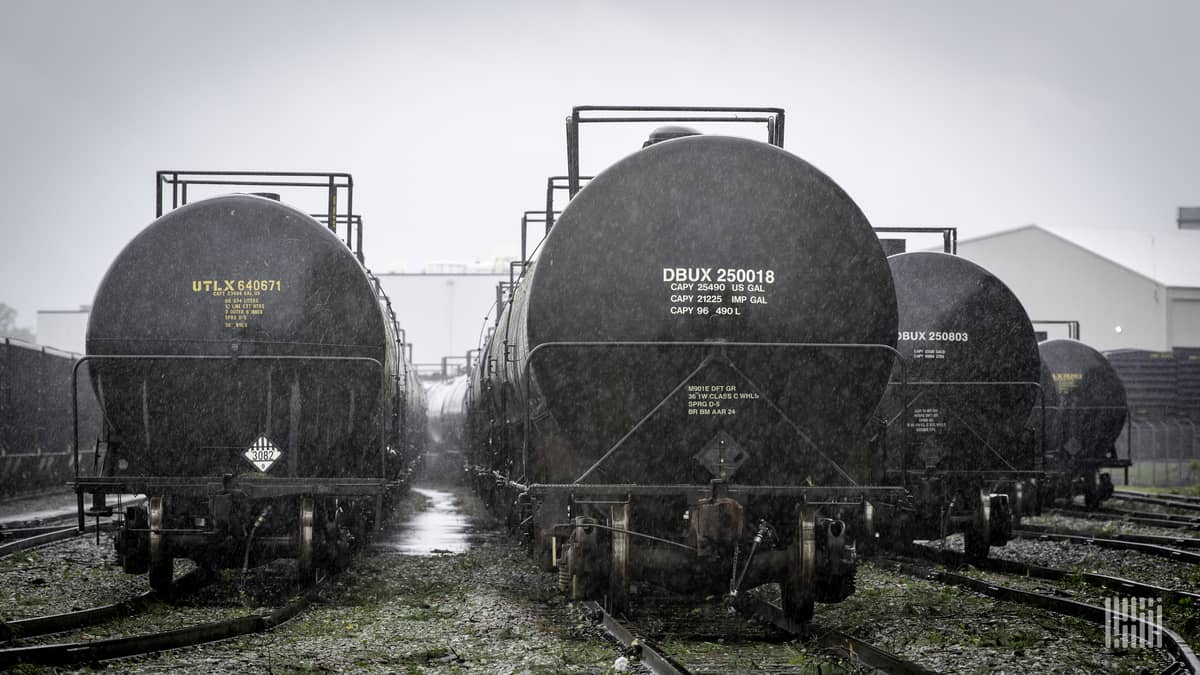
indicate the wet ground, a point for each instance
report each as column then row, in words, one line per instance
column 441, row 528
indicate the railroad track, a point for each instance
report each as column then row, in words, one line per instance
column 1127, row 494
column 1185, row 658
column 1185, row 543
column 1184, row 503
column 673, row 623
column 42, row 536
column 1151, row 518
column 90, row 651
column 57, row 527
column 58, row 623
column 1015, row 568
column 1156, row 549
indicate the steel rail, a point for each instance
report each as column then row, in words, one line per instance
column 829, row 640
column 57, row 623
column 1173, row 643
column 16, row 533
column 57, row 534
column 113, row 648
column 1158, row 539
column 846, row 646
column 1185, row 504
column 650, row 657
column 1126, row 494
column 1015, row 568
column 1175, row 554
column 1166, row 520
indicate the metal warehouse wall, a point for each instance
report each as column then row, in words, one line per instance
column 1183, row 319
column 1056, row 279
column 441, row 313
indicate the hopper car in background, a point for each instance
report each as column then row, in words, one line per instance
column 252, row 383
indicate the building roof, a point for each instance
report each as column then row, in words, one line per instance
column 1170, row 257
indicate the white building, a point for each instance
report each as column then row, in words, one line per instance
column 1127, row 288
column 442, row 309
column 63, row 329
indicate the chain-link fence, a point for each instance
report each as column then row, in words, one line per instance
column 1164, row 452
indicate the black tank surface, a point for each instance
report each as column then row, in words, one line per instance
column 715, row 240
column 1045, row 421
column 248, row 276
column 1089, row 400
column 973, row 369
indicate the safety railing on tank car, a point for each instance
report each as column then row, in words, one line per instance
column 556, row 184
column 910, row 401
column 79, row 485
column 449, row 367
column 1071, row 324
column 772, row 118
column 717, row 351
column 949, row 235
column 533, row 218
column 333, row 182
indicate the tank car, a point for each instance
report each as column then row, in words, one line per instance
column 677, row 390
column 252, row 388
column 445, row 457
column 1086, row 410
column 958, row 404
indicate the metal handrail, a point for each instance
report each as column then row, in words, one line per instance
column 333, row 182
column 773, row 118
column 949, row 235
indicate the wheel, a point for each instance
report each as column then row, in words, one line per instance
column 1036, row 497
column 865, row 543
column 798, row 586
column 1091, row 491
column 1019, row 502
column 977, row 535
column 583, row 561
column 305, row 553
column 618, row 571
column 1000, row 521
column 162, row 565
column 132, row 546
column 1105, row 487
column 338, row 538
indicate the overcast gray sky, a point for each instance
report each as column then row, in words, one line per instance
column 979, row 115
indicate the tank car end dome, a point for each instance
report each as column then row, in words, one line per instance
column 667, row 133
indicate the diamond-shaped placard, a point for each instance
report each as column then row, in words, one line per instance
column 722, row 455
column 262, row 453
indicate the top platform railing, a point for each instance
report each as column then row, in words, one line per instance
column 339, row 187
column 771, row 118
